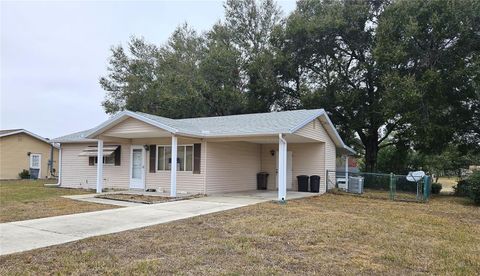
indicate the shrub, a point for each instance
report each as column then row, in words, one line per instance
column 461, row 189
column 436, row 188
column 474, row 187
column 24, row 174
column 470, row 187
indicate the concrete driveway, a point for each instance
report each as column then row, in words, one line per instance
column 36, row 233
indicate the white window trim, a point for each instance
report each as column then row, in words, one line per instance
column 39, row 163
column 184, row 157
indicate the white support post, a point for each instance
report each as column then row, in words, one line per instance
column 346, row 172
column 99, row 166
column 173, row 168
column 282, row 168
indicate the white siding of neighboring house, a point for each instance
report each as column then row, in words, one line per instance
column 232, row 166
column 77, row 173
column 315, row 130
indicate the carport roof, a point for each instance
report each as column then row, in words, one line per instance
column 221, row 126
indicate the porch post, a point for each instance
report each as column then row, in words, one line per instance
column 282, row 168
column 346, row 172
column 173, row 168
column 99, row 166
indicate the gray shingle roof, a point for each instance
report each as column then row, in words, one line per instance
column 7, row 131
column 235, row 125
column 221, row 126
column 74, row 137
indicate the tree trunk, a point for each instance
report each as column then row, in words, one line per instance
column 371, row 152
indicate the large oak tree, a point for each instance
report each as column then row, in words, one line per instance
column 402, row 72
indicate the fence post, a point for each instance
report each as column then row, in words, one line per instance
column 392, row 193
column 426, row 188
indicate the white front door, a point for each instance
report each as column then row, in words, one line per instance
column 137, row 167
column 36, row 165
column 289, row 170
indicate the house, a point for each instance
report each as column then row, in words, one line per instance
column 134, row 150
column 23, row 150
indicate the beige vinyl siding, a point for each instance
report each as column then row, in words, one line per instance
column 315, row 130
column 77, row 173
column 232, row 166
column 131, row 126
column 331, row 153
column 14, row 155
column 187, row 181
column 307, row 159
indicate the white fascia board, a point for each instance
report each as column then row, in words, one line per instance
column 253, row 134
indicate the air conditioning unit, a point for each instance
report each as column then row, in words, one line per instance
column 355, row 184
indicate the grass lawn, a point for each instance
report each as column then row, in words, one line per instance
column 29, row 199
column 330, row 234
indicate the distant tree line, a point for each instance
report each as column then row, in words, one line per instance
column 392, row 74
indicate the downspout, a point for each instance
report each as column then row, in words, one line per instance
column 50, row 162
column 59, row 178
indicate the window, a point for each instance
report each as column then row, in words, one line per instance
column 110, row 158
column 184, row 158
column 107, row 159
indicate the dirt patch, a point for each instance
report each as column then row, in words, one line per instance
column 145, row 199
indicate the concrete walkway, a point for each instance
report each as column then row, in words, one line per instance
column 31, row 234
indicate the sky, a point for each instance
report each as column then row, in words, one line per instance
column 52, row 54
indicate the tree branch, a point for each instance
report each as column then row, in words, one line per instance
column 390, row 128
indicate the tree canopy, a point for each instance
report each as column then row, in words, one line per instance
column 390, row 73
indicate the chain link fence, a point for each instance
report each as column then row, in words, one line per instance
column 381, row 185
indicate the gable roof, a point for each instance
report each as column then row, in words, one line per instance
column 8, row 132
column 257, row 124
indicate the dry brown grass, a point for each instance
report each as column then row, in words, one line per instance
column 326, row 235
column 30, row 199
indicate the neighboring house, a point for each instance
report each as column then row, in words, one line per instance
column 214, row 154
column 23, row 150
column 352, row 164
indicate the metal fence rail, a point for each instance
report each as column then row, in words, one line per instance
column 381, row 185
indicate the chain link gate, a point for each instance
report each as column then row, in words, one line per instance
column 383, row 186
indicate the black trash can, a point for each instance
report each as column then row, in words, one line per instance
column 314, row 183
column 302, row 183
column 262, row 180
column 34, row 173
